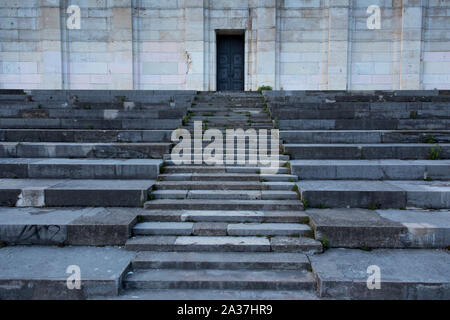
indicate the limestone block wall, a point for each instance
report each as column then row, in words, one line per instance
column 29, row 44
column 171, row 44
column 303, row 45
column 375, row 54
column 99, row 55
column 436, row 47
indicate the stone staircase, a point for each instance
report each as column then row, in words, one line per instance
column 230, row 227
column 358, row 170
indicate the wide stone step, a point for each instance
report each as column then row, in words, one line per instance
column 133, row 124
column 206, row 204
column 202, row 295
column 223, row 244
column 224, row 185
column 230, row 120
column 237, row 155
column 61, row 135
column 237, row 162
column 375, row 194
column 232, row 126
column 364, row 136
column 83, row 150
column 220, row 229
column 351, row 112
column 95, row 114
column 371, row 169
column 368, row 151
column 227, row 169
column 73, row 193
column 366, row 124
column 242, row 177
column 79, row 168
column 220, row 261
column 382, row 228
column 220, row 279
column 222, row 216
column 224, row 194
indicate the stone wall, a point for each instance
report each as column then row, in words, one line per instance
column 171, row 44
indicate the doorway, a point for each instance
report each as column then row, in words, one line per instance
column 230, row 62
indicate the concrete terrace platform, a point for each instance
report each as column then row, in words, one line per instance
column 40, row 272
column 68, row 226
column 377, row 194
column 357, row 228
column 405, row 274
column 72, row 193
column 391, row 169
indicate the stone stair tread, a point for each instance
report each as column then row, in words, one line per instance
column 198, row 243
column 226, row 177
column 210, row 275
column 203, row 294
column 231, row 229
column 220, row 260
column 217, row 204
column 224, row 216
column 224, row 194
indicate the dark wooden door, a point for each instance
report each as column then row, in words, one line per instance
column 230, row 63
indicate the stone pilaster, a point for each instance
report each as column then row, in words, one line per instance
column 194, row 44
column 411, row 45
column 266, row 44
column 338, row 37
column 50, row 46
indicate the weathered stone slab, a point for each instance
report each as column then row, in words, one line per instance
column 405, row 274
column 37, row 273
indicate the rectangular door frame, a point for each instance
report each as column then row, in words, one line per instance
column 232, row 34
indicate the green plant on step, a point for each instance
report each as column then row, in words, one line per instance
column 287, row 165
column 435, row 153
column 428, row 179
column 275, row 123
column 263, row 180
column 374, row 206
column 39, row 106
column 413, row 114
column 429, row 138
column 365, row 248
column 321, row 206
column 209, row 114
column 264, row 88
column 292, row 180
column 3, row 244
column 325, row 242
column 305, row 203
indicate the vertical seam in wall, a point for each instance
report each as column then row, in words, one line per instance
column 65, row 53
column 351, row 27
column 278, row 5
column 400, row 67
column 136, row 43
column 425, row 6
